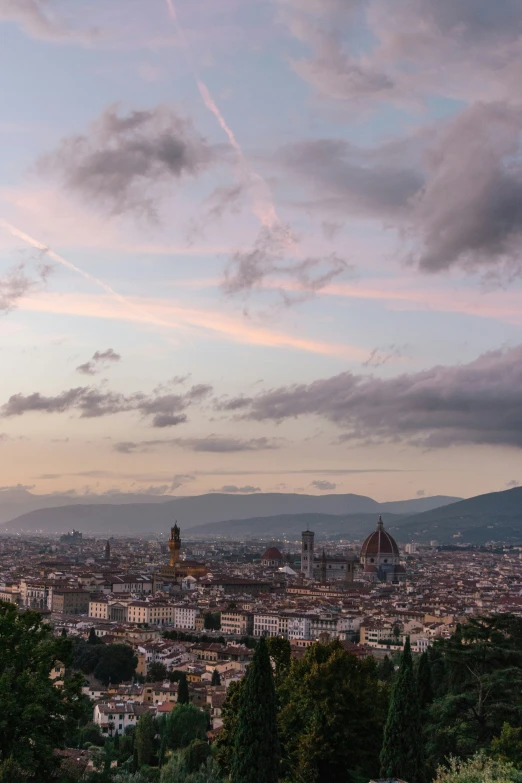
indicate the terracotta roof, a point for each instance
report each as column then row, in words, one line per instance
column 272, row 553
column 379, row 542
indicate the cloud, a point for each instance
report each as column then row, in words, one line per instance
column 99, row 361
column 513, row 483
column 167, row 410
column 38, row 19
column 380, row 356
column 212, row 443
column 469, row 212
column 420, row 493
column 126, row 163
column 324, row 486
column 476, row 403
column 15, row 284
column 231, row 489
column 233, row 403
column 249, row 269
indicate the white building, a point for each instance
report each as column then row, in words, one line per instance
column 185, row 617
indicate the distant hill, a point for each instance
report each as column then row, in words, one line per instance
column 291, row 526
column 496, row 516
column 156, row 517
column 15, row 501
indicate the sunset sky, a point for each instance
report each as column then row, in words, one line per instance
column 261, row 245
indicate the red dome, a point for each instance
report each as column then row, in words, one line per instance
column 272, row 554
column 370, row 569
column 380, row 543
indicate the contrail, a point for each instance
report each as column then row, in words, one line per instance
column 263, row 206
column 64, row 262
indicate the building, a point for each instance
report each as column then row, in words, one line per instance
column 326, row 568
column 185, row 617
column 177, row 569
column 307, row 554
column 380, row 557
column 238, row 622
column 70, row 601
column 272, row 558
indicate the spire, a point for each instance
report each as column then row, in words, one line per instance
column 380, row 523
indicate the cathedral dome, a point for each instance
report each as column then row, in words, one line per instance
column 272, row 554
column 379, row 543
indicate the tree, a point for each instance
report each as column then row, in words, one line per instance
column 256, row 744
column 481, row 671
column 157, row 672
column 93, row 639
column 333, row 710
column 185, row 724
column 216, row 679
column 176, row 772
column 386, row 669
column 145, row 733
column 91, row 733
column 280, row 651
column 183, row 689
column 225, row 740
column 402, row 753
column 508, row 746
column 108, row 662
column 424, row 682
column 196, row 755
column 212, row 621
column 35, row 715
column 478, row 769
column 64, row 633
column 11, row 772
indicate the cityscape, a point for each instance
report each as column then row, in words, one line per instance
column 260, row 399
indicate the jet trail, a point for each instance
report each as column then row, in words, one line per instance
column 263, row 206
column 64, row 262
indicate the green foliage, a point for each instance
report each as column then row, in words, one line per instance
column 157, row 672
column 183, row 689
column 333, row 709
column 185, row 724
column 91, row 733
column 176, row 772
column 216, row 679
column 93, row 639
column 280, row 651
column 424, row 682
column 113, row 663
column 479, row 769
column 229, row 711
column 196, row 755
column 482, row 686
column 34, row 715
column 386, row 669
column 402, row 753
column 508, row 746
column 145, row 733
column 255, row 757
column 212, row 621
column 11, row 772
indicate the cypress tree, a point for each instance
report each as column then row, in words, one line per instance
column 402, row 754
column 145, row 733
column 255, row 756
column 183, row 690
column 93, row 639
column 216, row 679
column 424, row 682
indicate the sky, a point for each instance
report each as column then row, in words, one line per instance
column 261, row 245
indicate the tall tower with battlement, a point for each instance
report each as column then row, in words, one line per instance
column 307, row 554
column 174, row 546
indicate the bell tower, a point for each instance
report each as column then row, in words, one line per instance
column 174, row 546
column 307, row 554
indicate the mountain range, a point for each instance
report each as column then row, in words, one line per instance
column 156, row 516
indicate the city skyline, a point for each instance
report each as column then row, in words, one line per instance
column 261, row 246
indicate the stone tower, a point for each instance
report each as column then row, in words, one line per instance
column 323, row 567
column 174, row 546
column 307, row 554
column 108, row 550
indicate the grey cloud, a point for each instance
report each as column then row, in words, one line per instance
column 379, row 181
column 324, row 486
column 39, row 20
column 476, row 403
column 166, row 410
column 126, row 162
column 99, row 361
column 469, row 212
column 384, row 354
column 420, row 493
column 231, row 489
column 513, row 483
column 248, row 270
column 233, row 403
column 16, row 283
column 212, row 443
